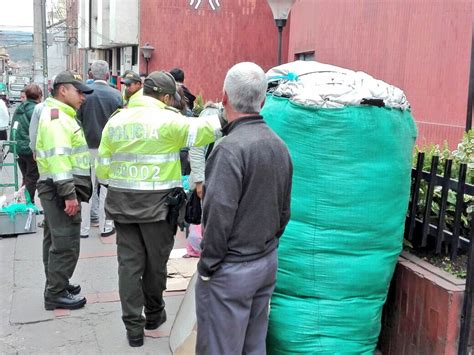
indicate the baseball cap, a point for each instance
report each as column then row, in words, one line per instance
column 162, row 83
column 130, row 77
column 70, row 77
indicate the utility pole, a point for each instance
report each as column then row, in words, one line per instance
column 40, row 60
column 45, row 48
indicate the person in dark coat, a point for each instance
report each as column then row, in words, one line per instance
column 26, row 161
column 94, row 114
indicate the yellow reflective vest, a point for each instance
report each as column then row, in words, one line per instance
column 61, row 148
column 140, row 145
column 133, row 97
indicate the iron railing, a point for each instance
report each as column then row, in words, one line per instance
column 426, row 229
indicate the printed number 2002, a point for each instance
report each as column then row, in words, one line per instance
column 143, row 171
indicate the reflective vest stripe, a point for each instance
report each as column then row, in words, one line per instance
column 61, row 151
column 103, row 181
column 192, row 134
column 65, row 176
column 56, row 177
column 103, row 161
column 80, row 149
column 81, row 172
column 144, row 158
column 144, row 185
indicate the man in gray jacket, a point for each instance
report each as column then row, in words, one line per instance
column 245, row 210
column 93, row 115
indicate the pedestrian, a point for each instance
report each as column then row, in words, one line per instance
column 64, row 166
column 245, row 210
column 23, row 95
column 197, row 159
column 26, row 161
column 93, row 115
column 181, row 106
column 133, row 85
column 139, row 160
column 178, row 75
column 33, row 131
column 4, row 121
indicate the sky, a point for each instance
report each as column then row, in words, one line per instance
column 17, row 15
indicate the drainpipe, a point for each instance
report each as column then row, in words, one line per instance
column 470, row 92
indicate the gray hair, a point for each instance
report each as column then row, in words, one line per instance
column 211, row 108
column 100, row 69
column 246, row 85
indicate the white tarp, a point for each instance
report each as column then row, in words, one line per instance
column 182, row 338
column 323, row 85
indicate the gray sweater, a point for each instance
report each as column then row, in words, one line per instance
column 247, row 195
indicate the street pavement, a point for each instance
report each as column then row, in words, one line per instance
column 26, row 328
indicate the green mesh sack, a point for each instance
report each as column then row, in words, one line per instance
column 350, row 194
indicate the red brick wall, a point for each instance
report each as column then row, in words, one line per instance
column 206, row 43
column 422, row 312
column 423, row 47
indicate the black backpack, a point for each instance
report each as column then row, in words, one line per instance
column 193, row 209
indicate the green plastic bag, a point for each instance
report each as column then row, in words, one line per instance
column 351, row 185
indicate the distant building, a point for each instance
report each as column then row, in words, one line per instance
column 108, row 30
column 57, row 37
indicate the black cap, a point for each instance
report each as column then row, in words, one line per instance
column 130, row 77
column 162, row 83
column 70, row 77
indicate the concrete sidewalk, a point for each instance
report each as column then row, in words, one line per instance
column 25, row 327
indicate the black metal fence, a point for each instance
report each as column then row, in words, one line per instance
column 424, row 228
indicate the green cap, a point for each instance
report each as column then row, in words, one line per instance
column 162, row 83
column 130, row 77
column 70, row 77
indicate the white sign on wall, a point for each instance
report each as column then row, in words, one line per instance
column 196, row 3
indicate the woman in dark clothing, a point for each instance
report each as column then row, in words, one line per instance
column 26, row 161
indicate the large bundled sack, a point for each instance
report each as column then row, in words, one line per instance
column 350, row 194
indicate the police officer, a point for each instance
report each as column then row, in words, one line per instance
column 133, row 85
column 64, row 166
column 139, row 160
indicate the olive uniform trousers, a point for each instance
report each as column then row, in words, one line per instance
column 61, row 244
column 143, row 250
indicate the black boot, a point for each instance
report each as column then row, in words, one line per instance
column 64, row 300
column 153, row 324
column 73, row 289
column 135, row 341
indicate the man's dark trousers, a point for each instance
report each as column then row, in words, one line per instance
column 232, row 307
column 61, row 245
column 143, row 250
column 29, row 170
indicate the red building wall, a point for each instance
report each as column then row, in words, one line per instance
column 421, row 46
column 206, row 43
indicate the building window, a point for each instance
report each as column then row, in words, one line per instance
column 134, row 55
column 109, row 56
column 305, row 56
column 118, row 58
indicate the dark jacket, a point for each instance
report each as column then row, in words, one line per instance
column 136, row 207
column 96, row 110
column 247, row 195
column 23, row 115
